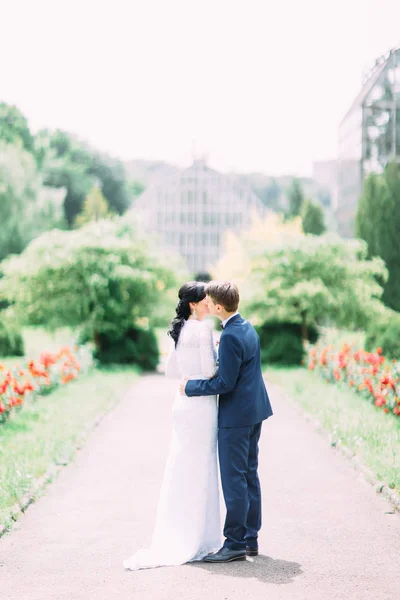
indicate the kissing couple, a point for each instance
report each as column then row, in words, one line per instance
column 222, row 401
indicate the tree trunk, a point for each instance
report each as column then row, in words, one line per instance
column 304, row 328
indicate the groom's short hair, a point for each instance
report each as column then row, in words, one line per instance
column 225, row 293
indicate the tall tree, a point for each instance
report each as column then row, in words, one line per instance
column 14, row 127
column 95, row 208
column 106, row 277
column 295, row 198
column 27, row 207
column 111, row 174
column 291, row 278
column 313, row 218
column 69, row 163
column 378, row 223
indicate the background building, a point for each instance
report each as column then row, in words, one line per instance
column 193, row 209
column 369, row 135
column 325, row 176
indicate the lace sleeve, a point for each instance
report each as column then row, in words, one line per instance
column 207, row 351
column 171, row 367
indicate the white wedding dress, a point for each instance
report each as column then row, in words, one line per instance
column 188, row 515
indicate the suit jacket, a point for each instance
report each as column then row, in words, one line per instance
column 243, row 398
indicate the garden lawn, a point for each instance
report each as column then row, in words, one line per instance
column 38, row 340
column 370, row 433
column 48, row 430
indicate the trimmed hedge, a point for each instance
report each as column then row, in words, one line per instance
column 385, row 333
column 282, row 343
column 11, row 340
column 135, row 347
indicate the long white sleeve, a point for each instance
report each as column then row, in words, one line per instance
column 208, row 354
column 171, row 367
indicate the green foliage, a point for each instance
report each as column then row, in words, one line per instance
column 378, row 223
column 103, row 276
column 14, row 127
column 136, row 188
column 282, row 343
column 27, row 207
column 314, row 279
column 295, row 198
column 288, row 277
column 111, row 174
column 11, row 340
column 390, row 340
column 136, row 347
column 384, row 332
column 95, row 208
column 313, row 218
column 70, row 164
column 285, row 348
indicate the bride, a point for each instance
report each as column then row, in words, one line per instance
column 187, row 525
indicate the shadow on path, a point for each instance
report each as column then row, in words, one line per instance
column 263, row 568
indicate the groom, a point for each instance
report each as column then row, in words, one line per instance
column 243, row 405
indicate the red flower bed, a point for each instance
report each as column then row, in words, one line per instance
column 369, row 374
column 39, row 377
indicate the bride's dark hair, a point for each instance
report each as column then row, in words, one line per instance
column 193, row 291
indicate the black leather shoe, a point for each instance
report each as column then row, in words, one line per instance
column 225, row 555
column 251, row 551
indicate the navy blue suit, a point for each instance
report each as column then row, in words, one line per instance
column 243, row 405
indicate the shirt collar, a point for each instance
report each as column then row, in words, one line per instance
column 223, row 323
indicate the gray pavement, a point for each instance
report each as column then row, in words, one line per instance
column 326, row 534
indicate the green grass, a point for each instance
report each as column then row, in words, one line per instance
column 370, row 433
column 37, row 340
column 337, row 337
column 47, row 430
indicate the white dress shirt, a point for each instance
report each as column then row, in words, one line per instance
column 223, row 323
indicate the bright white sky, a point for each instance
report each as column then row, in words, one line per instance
column 256, row 85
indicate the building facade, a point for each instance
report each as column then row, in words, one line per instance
column 193, row 209
column 369, row 135
column 325, row 174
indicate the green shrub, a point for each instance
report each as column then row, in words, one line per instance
column 136, row 346
column 11, row 340
column 282, row 343
column 385, row 333
column 284, row 349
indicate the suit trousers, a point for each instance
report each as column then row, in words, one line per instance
column 238, row 458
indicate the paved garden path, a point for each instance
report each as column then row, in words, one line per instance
column 326, row 534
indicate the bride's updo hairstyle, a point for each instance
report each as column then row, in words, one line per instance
column 193, row 291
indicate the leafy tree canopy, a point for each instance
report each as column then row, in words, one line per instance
column 27, row 207
column 313, row 218
column 104, row 277
column 14, row 127
column 378, row 223
column 288, row 277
